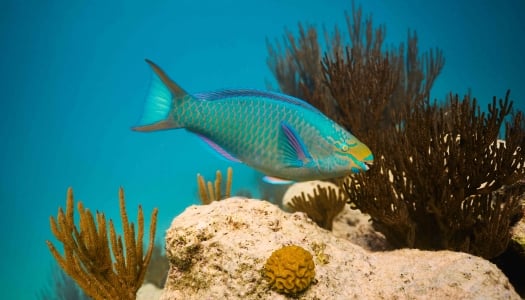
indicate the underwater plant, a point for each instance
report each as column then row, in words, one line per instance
column 361, row 86
column 103, row 272
column 447, row 182
column 290, row 270
column 441, row 179
column 212, row 191
column 322, row 207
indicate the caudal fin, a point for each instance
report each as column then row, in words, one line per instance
column 158, row 108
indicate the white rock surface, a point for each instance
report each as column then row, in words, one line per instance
column 217, row 251
column 356, row 227
column 149, row 291
column 350, row 224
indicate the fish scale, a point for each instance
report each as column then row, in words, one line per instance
column 276, row 134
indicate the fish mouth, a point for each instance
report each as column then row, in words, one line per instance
column 366, row 165
column 361, row 167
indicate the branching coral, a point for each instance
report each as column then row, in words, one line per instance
column 102, row 272
column 441, row 179
column 360, row 85
column 447, row 183
column 295, row 65
column 322, row 207
column 209, row 192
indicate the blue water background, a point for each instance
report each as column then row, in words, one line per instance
column 73, row 80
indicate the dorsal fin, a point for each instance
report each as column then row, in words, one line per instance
column 217, row 95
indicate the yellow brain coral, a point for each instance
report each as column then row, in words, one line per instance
column 290, row 270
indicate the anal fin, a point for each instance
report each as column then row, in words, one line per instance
column 219, row 150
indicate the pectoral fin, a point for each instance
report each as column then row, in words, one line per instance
column 292, row 147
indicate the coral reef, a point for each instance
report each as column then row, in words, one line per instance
column 518, row 232
column 290, row 270
column 322, row 205
column 350, row 223
column 512, row 261
column 355, row 226
column 218, row 251
column 102, row 272
column 360, row 85
column 446, row 182
column 211, row 191
column 440, row 180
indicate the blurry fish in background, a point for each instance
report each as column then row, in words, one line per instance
column 278, row 135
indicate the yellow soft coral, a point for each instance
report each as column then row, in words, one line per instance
column 290, row 270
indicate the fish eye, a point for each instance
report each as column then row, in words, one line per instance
column 344, row 148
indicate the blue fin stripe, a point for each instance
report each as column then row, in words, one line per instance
column 293, row 148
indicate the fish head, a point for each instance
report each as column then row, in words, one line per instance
column 360, row 157
column 348, row 154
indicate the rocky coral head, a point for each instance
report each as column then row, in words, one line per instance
column 290, row 270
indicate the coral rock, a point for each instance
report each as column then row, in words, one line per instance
column 350, row 224
column 518, row 231
column 218, row 251
column 290, row 269
column 355, row 226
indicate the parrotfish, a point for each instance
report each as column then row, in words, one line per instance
column 276, row 134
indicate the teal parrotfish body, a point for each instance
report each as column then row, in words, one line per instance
column 276, row 134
